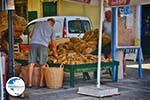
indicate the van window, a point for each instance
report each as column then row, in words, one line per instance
column 28, row 29
column 57, row 27
column 78, row 26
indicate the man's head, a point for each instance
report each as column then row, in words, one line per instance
column 108, row 15
column 51, row 21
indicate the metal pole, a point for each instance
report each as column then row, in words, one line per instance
column 99, row 45
column 11, row 48
column 114, row 32
column 139, row 49
column 3, row 5
column 1, row 79
column 11, row 44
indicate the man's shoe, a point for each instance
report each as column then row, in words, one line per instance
column 29, row 86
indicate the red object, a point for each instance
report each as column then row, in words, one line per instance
column 30, row 35
column 118, row 2
column 24, row 47
column 5, row 70
column 82, row 1
column 64, row 32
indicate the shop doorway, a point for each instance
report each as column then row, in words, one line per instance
column 49, row 9
column 21, row 8
column 146, row 29
column 32, row 15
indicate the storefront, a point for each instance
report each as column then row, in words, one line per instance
column 132, row 28
column 116, row 42
column 145, row 29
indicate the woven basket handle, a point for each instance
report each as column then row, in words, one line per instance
column 62, row 66
column 46, row 65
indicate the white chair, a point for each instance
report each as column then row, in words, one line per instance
column 131, row 54
column 16, row 48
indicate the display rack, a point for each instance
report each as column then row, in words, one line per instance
column 128, row 29
column 124, row 38
column 72, row 69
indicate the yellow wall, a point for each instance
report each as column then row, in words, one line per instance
column 75, row 9
column 35, row 5
column 65, row 8
column 69, row 8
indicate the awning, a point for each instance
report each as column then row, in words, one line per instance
column 48, row 0
column 111, row 3
column 139, row 2
column 115, row 3
column 88, row 2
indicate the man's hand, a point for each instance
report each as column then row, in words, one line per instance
column 54, row 48
column 55, row 55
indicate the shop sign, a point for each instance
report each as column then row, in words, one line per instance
column 118, row 2
column 10, row 5
column 124, row 11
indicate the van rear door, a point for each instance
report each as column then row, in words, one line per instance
column 58, row 27
column 78, row 26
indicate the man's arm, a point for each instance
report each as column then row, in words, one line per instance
column 103, row 27
column 30, row 34
column 54, row 48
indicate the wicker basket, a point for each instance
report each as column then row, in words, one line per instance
column 35, row 76
column 17, row 69
column 54, row 76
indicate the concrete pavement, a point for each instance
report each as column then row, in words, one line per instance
column 130, row 88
